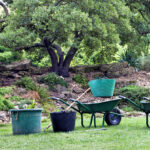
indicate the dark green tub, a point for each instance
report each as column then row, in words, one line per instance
column 26, row 121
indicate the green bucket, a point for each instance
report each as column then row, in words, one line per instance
column 26, row 121
column 102, row 87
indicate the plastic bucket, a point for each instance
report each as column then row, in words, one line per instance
column 102, row 87
column 26, row 121
column 63, row 121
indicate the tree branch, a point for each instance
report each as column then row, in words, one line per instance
column 72, row 51
column 36, row 45
column 60, row 53
column 3, row 27
column 57, row 3
column 5, row 10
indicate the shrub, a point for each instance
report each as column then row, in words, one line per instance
column 6, row 90
column 43, row 93
column 81, row 79
column 134, row 92
column 52, row 79
column 24, row 103
column 144, row 63
column 5, row 105
column 27, row 83
column 129, row 56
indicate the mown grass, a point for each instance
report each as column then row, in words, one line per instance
column 131, row 134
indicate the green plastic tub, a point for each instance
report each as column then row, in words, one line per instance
column 26, row 121
column 102, row 87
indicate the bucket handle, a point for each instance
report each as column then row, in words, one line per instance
column 17, row 114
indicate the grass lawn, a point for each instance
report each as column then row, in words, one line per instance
column 131, row 134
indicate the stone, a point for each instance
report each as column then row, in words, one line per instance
column 85, row 68
column 127, row 71
column 78, row 90
column 60, row 88
column 39, row 71
column 15, row 75
column 7, row 81
column 43, row 86
column 19, row 66
column 69, row 79
column 4, row 117
column 113, row 74
column 104, row 67
column 2, row 68
column 23, row 73
column 7, row 74
column 20, row 91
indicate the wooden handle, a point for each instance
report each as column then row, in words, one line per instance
column 77, row 99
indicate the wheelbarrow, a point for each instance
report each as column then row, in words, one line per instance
column 145, row 106
column 112, row 115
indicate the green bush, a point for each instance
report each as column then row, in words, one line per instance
column 81, row 79
column 129, row 56
column 23, row 103
column 5, row 105
column 144, row 62
column 6, row 90
column 27, row 82
column 134, row 92
column 52, row 79
column 43, row 93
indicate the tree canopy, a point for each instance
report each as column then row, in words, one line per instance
column 60, row 28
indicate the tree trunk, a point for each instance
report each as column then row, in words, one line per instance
column 59, row 65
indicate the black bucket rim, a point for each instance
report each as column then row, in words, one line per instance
column 60, row 112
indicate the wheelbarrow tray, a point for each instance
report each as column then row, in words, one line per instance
column 106, row 106
column 145, row 106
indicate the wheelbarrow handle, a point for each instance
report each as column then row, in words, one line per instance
column 146, row 98
column 123, row 97
column 130, row 101
column 73, row 100
column 55, row 98
column 58, row 99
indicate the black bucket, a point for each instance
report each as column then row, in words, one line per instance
column 63, row 121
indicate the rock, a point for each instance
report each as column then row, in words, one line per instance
column 20, row 91
column 67, row 94
column 69, row 79
column 78, row 90
column 104, row 67
column 23, row 73
column 4, row 117
column 118, row 67
column 15, row 75
column 85, row 69
column 2, row 68
column 127, row 71
column 18, row 66
column 7, row 81
column 113, row 74
column 60, row 88
column 39, row 71
column 7, row 74
column 43, row 86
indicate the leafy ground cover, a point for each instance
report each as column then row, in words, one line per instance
column 131, row 134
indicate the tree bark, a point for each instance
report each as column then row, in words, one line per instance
column 5, row 10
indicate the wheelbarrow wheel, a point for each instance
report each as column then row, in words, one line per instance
column 113, row 119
